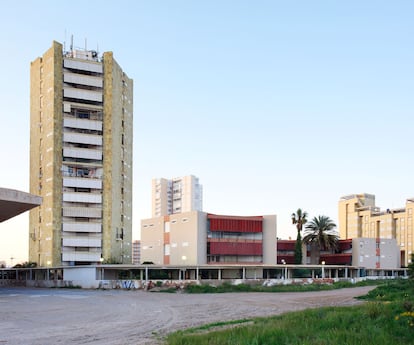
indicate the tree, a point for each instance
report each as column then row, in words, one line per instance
column 320, row 234
column 411, row 268
column 26, row 264
column 299, row 218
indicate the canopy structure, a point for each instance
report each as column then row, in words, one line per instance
column 14, row 202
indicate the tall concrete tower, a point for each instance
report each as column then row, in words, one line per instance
column 81, row 117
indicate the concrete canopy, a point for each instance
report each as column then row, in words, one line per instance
column 14, row 202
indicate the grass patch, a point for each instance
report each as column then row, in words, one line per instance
column 391, row 290
column 227, row 287
column 387, row 318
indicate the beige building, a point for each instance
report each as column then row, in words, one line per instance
column 199, row 238
column 177, row 195
column 359, row 217
column 81, row 108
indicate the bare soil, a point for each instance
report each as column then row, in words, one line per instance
column 61, row 316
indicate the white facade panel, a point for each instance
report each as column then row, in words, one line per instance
column 83, row 65
column 82, row 227
column 88, row 212
column 82, row 153
column 83, row 197
column 80, row 138
column 81, row 256
column 83, row 124
column 81, row 242
column 82, row 79
column 87, row 95
column 79, row 182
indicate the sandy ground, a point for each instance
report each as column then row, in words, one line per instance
column 61, row 316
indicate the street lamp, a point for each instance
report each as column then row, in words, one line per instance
column 323, row 269
column 284, row 263
column 184, row 258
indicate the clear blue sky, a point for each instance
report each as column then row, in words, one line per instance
column 274, row 105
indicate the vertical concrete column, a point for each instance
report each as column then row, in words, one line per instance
column 197, row 273
column 346, row 272
column 244, row 273
column 219, row 274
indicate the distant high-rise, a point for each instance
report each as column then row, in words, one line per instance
column 180, row 194
column 81, row 108
column 136, row 252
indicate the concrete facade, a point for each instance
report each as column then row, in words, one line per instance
column 190, row 238
column 372, row 253
column 176, row 195
column 81, row 158
column 177, row 239
column 359, row 217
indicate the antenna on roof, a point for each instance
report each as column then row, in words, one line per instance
column 64, row 43
column 71, row 43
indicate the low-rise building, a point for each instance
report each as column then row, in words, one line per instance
column 199, row 238
column 369, row 253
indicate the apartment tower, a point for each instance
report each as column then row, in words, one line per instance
column 360, row 218
column 177, row 195
column 80, row 158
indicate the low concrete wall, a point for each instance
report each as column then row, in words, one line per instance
column 12, row 282
column 136, row 284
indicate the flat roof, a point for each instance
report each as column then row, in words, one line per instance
column 14, row 202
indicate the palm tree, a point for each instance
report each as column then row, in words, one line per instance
column 320, row 234
column 299, row 218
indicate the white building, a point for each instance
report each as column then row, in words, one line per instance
column 177, row 195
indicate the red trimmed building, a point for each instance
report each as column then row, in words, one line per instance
column 370, row 253
column 343, row 256
column 198, row 238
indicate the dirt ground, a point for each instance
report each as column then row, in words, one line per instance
column 62, row 316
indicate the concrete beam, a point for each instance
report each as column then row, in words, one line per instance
column 14, row 202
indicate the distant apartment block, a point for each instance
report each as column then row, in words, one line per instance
column 199, row 238
column 360, row 218
column 81, row 117
column 136, row 252
column 177, row 195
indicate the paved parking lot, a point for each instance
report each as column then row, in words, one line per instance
column 115, row 317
